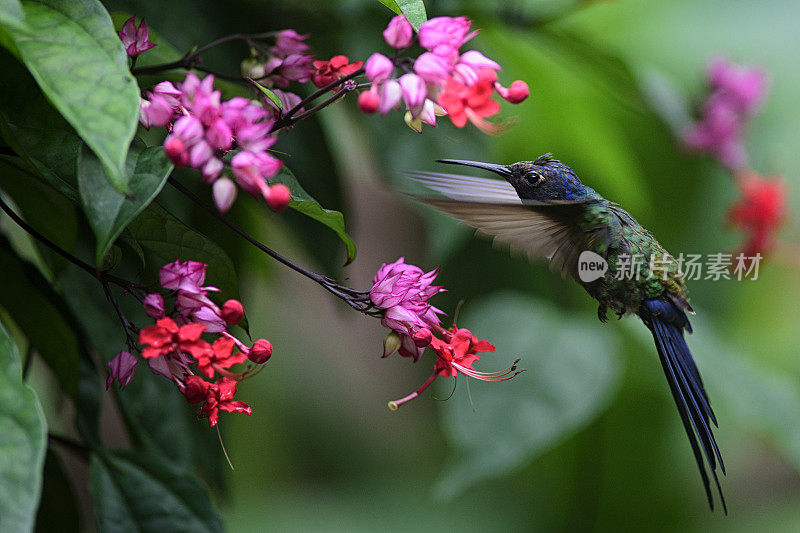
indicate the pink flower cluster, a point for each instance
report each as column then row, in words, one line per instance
column 443, row 80
column 174, row 344
column 736, row 92
column 203, row 129
column 403, row 290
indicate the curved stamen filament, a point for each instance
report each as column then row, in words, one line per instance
column 395, row 404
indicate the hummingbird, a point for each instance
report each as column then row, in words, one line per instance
column 543, row 210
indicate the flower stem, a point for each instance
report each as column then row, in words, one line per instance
column 358, row 300
column 395, row 404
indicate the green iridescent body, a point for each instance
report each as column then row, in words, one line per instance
column 627, row 244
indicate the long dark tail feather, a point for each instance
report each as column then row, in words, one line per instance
column 667, row 322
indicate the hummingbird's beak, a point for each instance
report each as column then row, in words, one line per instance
column 493, row 167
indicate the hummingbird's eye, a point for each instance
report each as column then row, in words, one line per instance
column 534, row 178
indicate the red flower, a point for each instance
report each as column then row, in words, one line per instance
column 457, row 353
column 165, row 337
column 760, row 211
column 471, row 102
column 333, row 69
column 217, row 396
column 219, row 357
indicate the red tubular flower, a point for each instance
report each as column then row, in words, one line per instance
column 333, row 69
column 219, row 357
column 760, row 212
column 456, row 354
column 165, row 337
column 473, row 103
column 216, row 396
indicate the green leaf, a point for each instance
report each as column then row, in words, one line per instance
column 391, row 4
column 414, row 10
column 142, row 492
column 269, row 94
column 35, row 130
column 80, row 65
column 160, row 232
column 110, row 211
column 572, row 372
column 303, row 203
column 41, row 315
column 11, row 15
column 23, row 445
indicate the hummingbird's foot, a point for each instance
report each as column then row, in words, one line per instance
column 601, row 313
column 620, row 314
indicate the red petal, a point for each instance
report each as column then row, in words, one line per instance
column 191, row 332
column 235, row 406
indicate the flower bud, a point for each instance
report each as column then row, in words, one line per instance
column 278, row 197
column 176, row 151
column 390, row 93
column 414, row 92
column 422, row 337
column 153, row 305
column 369, row 101
column 399, row 32
column 391, row 343
column 515, row 93
column 260, row 352
column 224, row 192
column 219, row 135
column 477, row 60
column 253, row 68
column 232, row 312
column 413, row 123
column 378, row 68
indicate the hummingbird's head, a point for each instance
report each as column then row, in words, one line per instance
column 545, row 178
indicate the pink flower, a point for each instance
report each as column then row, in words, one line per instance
column 390, row 94
column 186, row 276
column 744, row 86
column 122, row 368
column 168, row 91
column 433, row 68
column 153, row 305
column 378, row 68
column 219, row 134
column 155, row 111
column 224, row 193
column 288, row 101
column 414, row 92
column 399, row 32
column 251, row 170
column 289, row 42
column 297, row 67
column 135, row 40
column 447, row 32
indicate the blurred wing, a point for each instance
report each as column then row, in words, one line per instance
column 539, row 230
column 467, row 188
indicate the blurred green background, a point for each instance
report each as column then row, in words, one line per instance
column 588, row 438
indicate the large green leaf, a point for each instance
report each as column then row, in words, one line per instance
column 81, row 66
column 110, row 211
column 142, row 492
column 303, row 203
column 35, row 130
column 160, row 232
column 572, row 372
column 40, row 314
column 11, row 15
column 23, row 445
column 414, row 10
